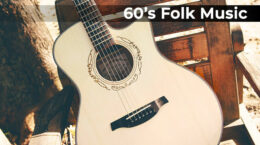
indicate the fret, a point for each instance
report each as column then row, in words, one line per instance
column 93, row 23
column 100, row 38
column 98, row 33
column 85, row 10
column 91, row 17
column 102, row 42
column 91, row 28
column 98, row 29
column 95, row 19
column 92, row 11
column 95, row 16
column 80, row 2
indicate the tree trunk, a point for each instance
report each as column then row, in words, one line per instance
column 28, row 74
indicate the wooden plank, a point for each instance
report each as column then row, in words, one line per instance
column 202, row 69
column 238, row 134
column 249, row 65
column 239, row 76
column 222, row 65
column 162, row 28
column 237, row 37
column 185, row 48
column 238, row 46
column 250, row 125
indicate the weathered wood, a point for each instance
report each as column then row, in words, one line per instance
column 237, row 37
column 185, row 48
column 203, row 69
column 249, row 65
column 237, row 133
column 238, row 46
column 162, row 28
column 249, row 124
column 222, row 65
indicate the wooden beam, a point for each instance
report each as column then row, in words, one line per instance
column 249, row 124
column 237, row 37
column 222, row 65
column 163, row 28
column 238, row 133
column 185, row 48
column 238, row 46
column 249, row 64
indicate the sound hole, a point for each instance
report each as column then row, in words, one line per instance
column 114, row 63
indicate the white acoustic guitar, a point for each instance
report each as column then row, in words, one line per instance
column 129, row 93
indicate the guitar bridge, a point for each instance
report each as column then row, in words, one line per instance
column 140, row 115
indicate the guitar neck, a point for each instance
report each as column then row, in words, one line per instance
column 94, row 24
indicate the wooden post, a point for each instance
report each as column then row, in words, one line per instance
column 222, row 64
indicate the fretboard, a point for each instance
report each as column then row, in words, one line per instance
column 94, row 24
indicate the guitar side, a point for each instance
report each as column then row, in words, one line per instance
column 192, row 114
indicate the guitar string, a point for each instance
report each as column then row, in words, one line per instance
column 126, row 89
column 107, row 70
column 118, row 52
column 121, row 63
column 112, row 69
column 117, row 92
column 127, row 96
column 79, row 5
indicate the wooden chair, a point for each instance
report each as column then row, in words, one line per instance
column 214, row 50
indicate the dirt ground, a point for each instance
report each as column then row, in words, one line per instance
column 251, row 32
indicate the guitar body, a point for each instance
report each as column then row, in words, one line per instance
column 188, row 112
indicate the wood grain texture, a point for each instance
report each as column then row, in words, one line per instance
column 163, row 28
column 222, row 65
column 250, row 125
column 238, row 46
column 249, row 64
column 237, row 37
column 202, row 69
column 237, row 133
column 185, row 48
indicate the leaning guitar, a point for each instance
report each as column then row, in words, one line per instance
column 129, row 93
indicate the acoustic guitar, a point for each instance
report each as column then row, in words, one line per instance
column 129, row 93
